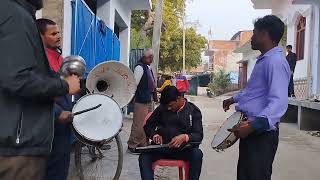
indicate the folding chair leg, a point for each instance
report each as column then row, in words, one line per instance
column 180, row 173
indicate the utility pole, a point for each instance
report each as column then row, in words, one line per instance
column 156, row 36
column 184, row 40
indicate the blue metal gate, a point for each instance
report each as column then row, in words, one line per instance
column 91, row 38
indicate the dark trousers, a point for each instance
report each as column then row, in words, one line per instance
column 59, row 159
column 194, row 156
column 291, row 87
column 256, row 155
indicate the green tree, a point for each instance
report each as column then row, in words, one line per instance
column 171, row 50
column 220, row 82
column 171, row 37
column 138, row 40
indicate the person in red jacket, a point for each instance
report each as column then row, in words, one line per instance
column 51, row 38
column 59, row 159
column 182, row 84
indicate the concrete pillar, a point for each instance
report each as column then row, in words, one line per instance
column 67, row 28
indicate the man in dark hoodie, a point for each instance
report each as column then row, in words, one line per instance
column 27, row 91
column 177, row 123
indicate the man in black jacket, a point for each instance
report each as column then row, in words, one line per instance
column 27, row 91
column 292, row 60
column 177, row 123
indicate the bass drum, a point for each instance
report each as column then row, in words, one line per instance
column 99, row 125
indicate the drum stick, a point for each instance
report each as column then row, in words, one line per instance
column 87, row 110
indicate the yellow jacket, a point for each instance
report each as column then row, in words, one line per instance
column 165, row 84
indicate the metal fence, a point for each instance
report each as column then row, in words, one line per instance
column 301, row 88
column 135, row 55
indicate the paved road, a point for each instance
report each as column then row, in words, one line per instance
column 298, row 154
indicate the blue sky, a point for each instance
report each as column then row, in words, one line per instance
column 225, row 17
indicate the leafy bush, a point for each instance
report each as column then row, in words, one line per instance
column 220, row 82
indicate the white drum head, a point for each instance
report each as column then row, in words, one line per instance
column 223, row 132
column 100, row 124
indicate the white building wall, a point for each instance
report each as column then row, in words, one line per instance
column 104, row 12
column 316, row 51
column 251, row 56
column 107, row 10
column 290, row 15
column 125, row 46
column 232, row 60
column 310, row 65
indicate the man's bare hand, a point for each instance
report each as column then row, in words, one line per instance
column 177, row 141
column 65, row 117
column 242, row 130
column 157, row 139
column 227, row 103
column 74, row 84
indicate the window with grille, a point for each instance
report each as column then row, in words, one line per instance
column 301, row 29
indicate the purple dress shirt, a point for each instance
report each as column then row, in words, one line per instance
column 266, row 93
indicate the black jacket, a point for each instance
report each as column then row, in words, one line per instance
column 169, row 124
column 292, row 60
column 143, row 94
column 27, row 85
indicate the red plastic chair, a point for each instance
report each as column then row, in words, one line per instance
column 182, row 165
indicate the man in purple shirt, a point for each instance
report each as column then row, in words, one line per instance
column 263, row 101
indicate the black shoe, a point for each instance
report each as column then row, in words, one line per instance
column 133, row 151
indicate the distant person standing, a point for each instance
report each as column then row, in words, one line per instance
column 174, row 79
column 182, row 84
column 145, row 93
column 167, row 82
column 160, row 81
column 292, row 60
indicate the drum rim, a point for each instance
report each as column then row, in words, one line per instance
column 91, row 140
column 88, row 142
column 217, row 147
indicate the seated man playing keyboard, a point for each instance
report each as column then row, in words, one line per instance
column 177, row 123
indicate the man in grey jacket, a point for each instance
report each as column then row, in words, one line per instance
column 27, row 92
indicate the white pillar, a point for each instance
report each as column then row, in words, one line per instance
column 124, row 46
column 316, row 51
column 67, row 27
